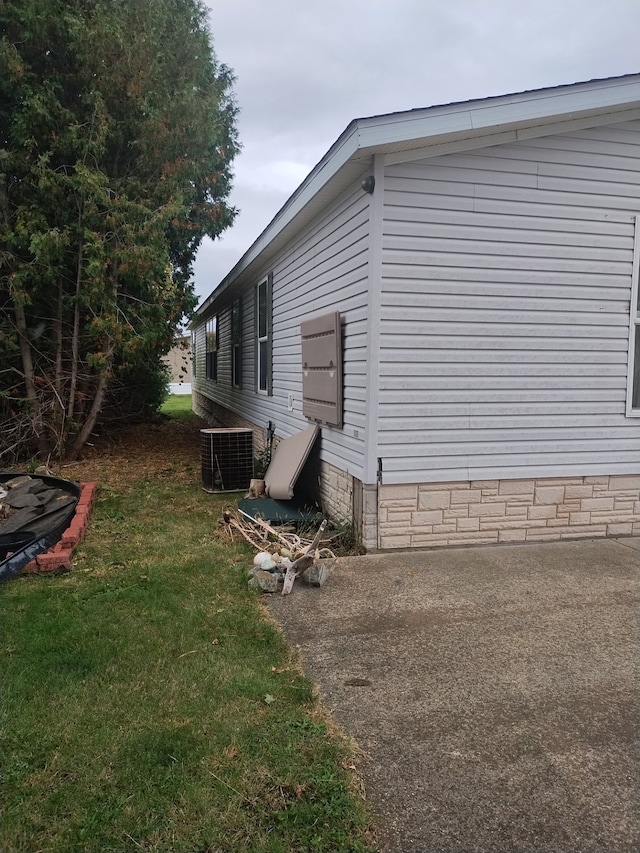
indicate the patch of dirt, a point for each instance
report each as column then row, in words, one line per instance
column 119, row 456
column 124, row 457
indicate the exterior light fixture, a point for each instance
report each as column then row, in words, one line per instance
column 368, row 184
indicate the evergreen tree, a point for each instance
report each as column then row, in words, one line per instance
column 117, row 134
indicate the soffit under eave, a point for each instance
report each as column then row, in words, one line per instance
column 436, row 144
column 423, row 146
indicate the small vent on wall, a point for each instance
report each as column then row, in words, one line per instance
column 227, row 459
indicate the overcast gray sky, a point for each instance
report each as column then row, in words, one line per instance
column 306, row 68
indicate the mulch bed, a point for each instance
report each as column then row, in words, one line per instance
column 116, row 458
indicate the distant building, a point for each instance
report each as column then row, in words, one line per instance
column 179, row 361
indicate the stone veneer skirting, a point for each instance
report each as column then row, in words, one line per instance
column 345, row 498
column 485, row 512
column 336, row 492
column 480, row 512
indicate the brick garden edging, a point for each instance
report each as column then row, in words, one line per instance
column 59, row 557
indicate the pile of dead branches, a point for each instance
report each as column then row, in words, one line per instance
column 263, row 537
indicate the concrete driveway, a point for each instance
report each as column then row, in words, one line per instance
column 494, row 692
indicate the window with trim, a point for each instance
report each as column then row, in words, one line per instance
column 263, row 336
column 194, row 360
column 236, row 344
column 211, row 339
column 633, row 382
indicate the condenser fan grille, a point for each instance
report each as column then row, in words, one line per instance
column 227, row 459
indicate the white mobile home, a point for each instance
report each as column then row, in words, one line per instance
column 481, row 262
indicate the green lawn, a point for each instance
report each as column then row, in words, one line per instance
column 149, row 705
column 178, row 406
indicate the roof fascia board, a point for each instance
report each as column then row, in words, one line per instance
column 614, row 117
column 338, row 155
column 366, row 136
column 518, row 135
column 529, row 107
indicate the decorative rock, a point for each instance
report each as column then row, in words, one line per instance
column 317, row 574
column 261, row 557
column 22, row 499
column 302, row 563
column 36, row 486
column 17, row 481
column 265, row 567
column 265, row 581
column 26, row 488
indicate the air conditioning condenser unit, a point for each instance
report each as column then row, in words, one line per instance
column 227, row 459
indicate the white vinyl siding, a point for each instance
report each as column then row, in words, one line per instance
column 324, row 269
column 327, row 270
column 198, row 354
column 633, row 379
column 506, row 285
